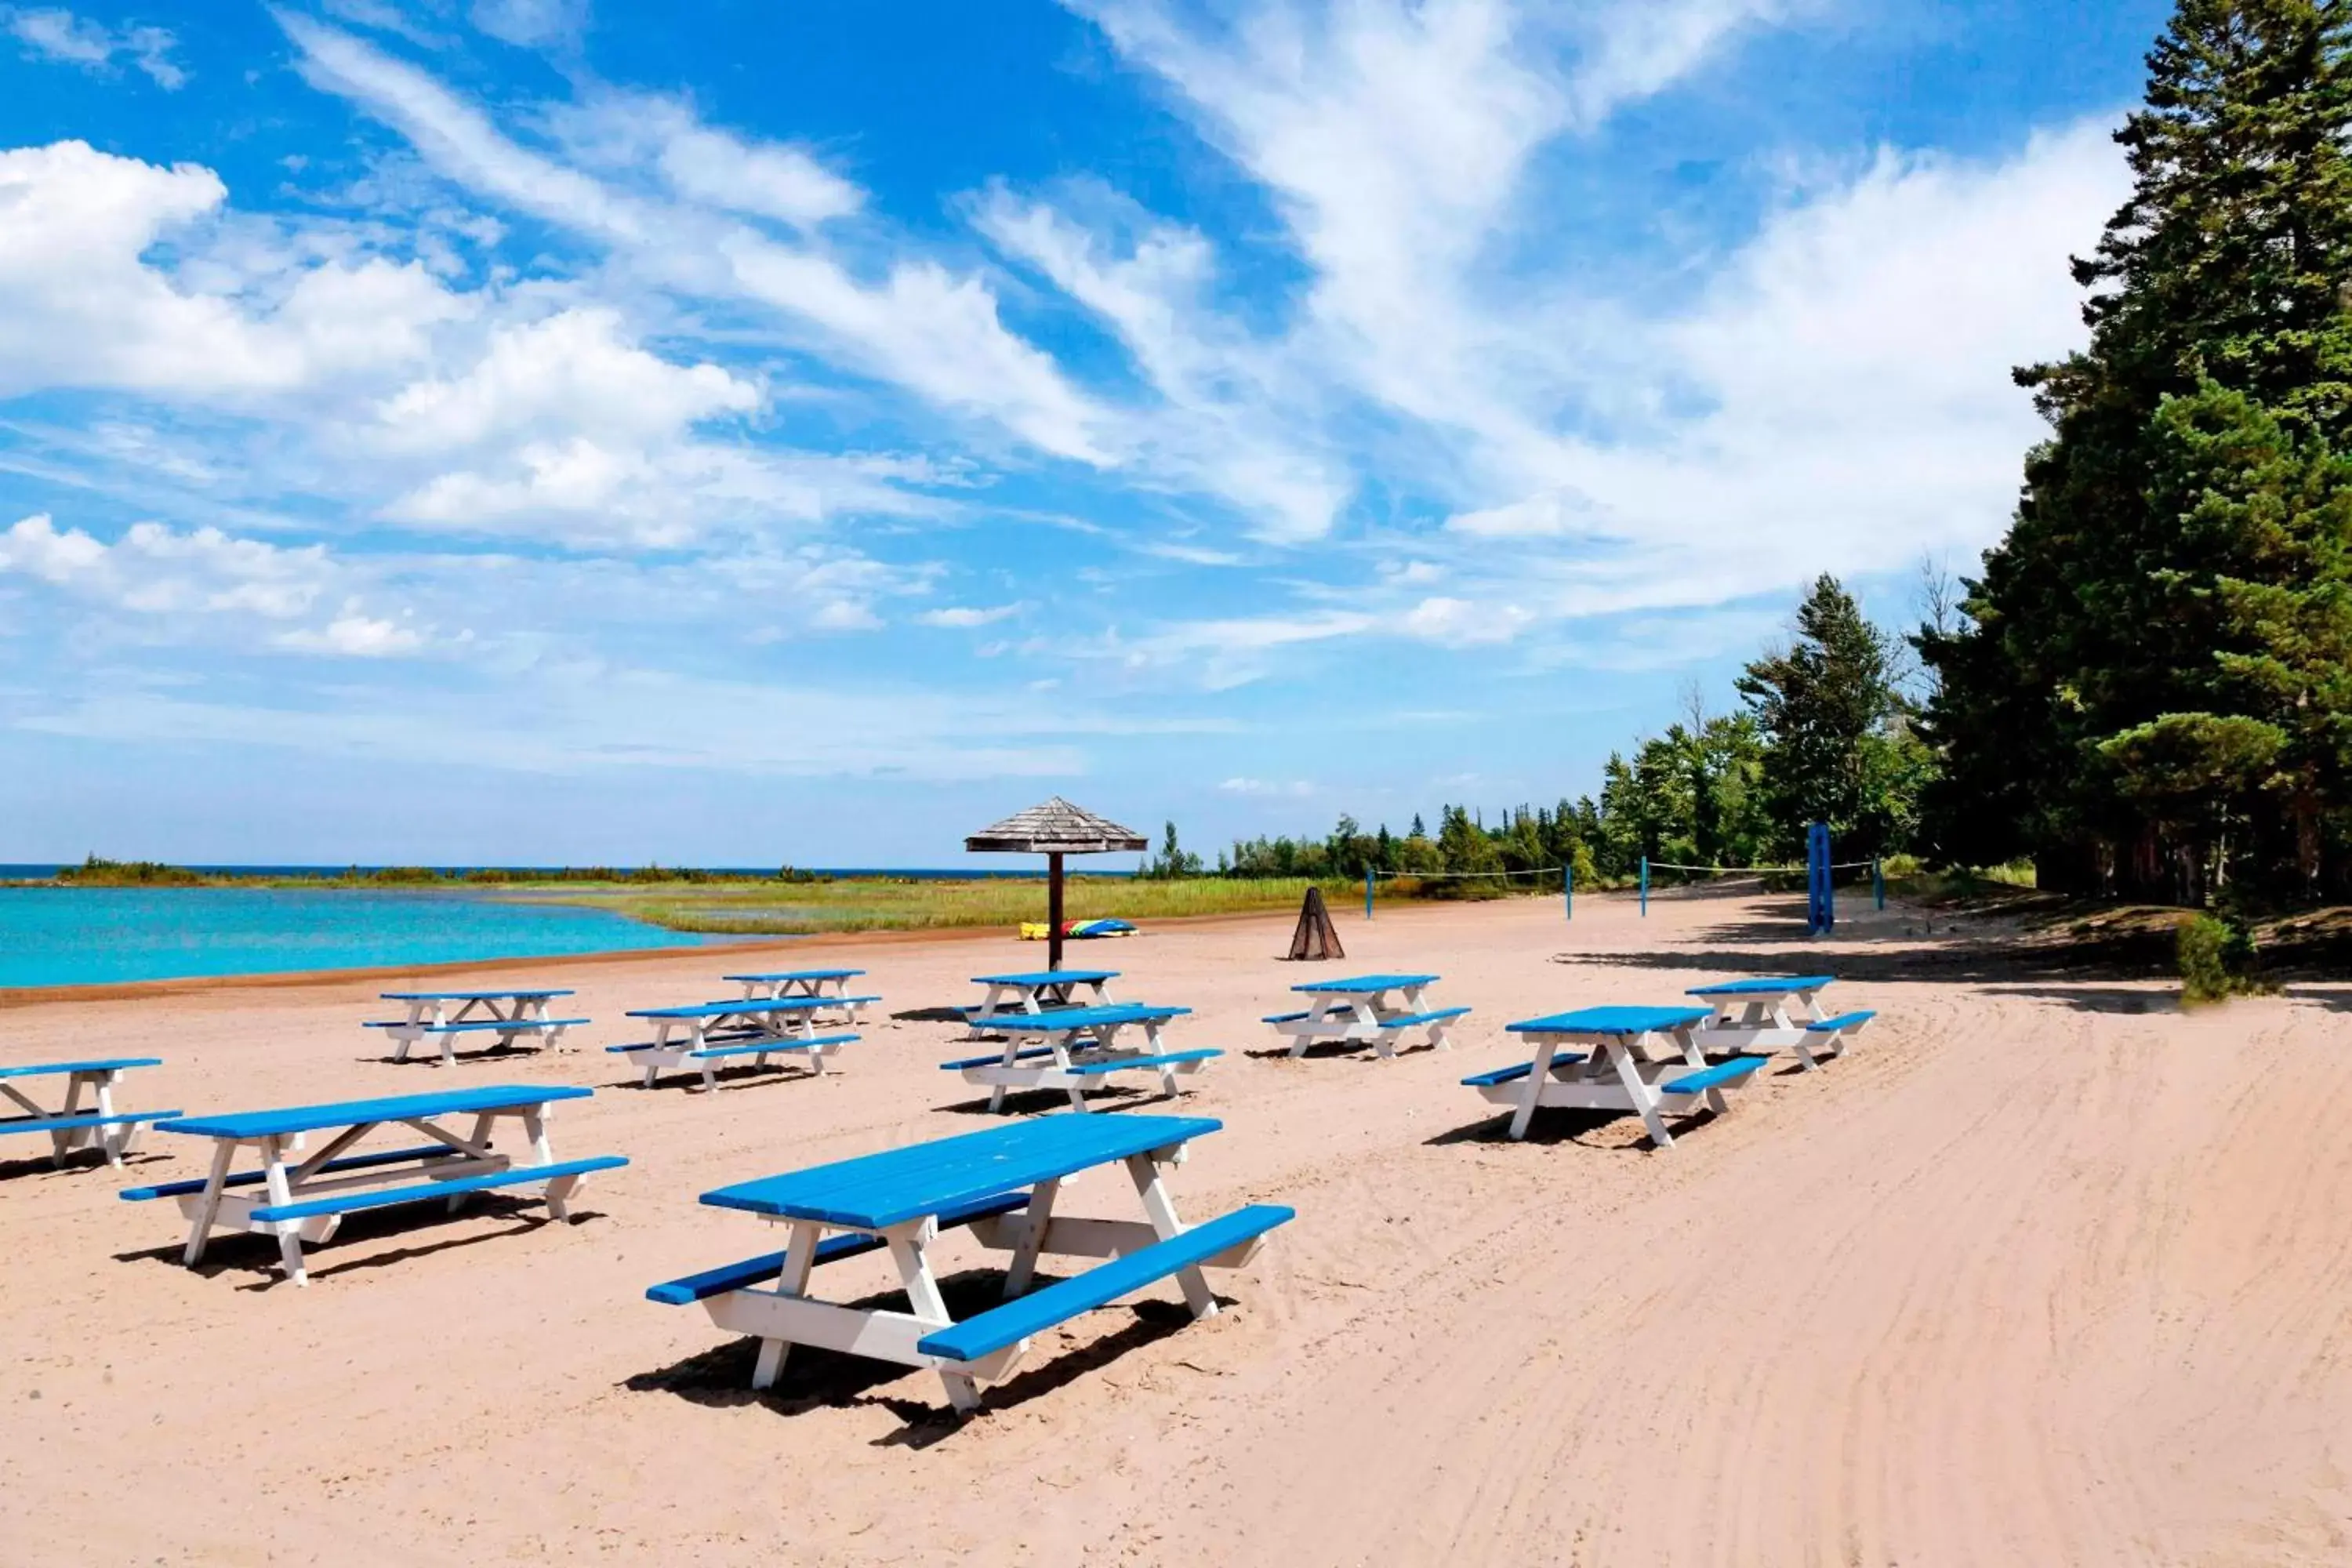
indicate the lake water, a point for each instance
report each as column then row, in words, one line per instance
column 92, row 936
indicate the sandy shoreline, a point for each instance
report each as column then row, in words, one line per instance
column 2044, row 1272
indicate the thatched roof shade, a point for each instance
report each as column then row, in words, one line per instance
column 1057, row 827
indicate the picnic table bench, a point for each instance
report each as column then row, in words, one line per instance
column 708, row 1033
column 303, row 1198
column 1080, row 1048
column 1359, row 1010
column 1038, row 990
column 1764, row 1014
column 808, row 984
column 1001, row 1187
column 1616, row 1071
column 70, row 1127
column 448, row 1016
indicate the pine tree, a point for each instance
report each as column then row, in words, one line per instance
column 1827, row 708
column 2177, row 562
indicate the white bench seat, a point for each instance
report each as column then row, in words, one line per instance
column 1017, row 1320
column 358, row 1199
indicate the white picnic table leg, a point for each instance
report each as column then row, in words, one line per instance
column 923, row 1295
column 1037, row 1216
column 996, row 1091
column 800, row 1257
column 1061, row 1047
column 289, row 1244
column 1537, row 1076
column 208, row 1205
column 1160, row 1209
column 116, row 1140
column 1646, row 1100
column 1687, row 1038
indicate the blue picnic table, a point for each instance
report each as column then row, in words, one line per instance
column 795, row 983
column 1001, row 1185
column 1080, row 1050
column 1033, row 991
column 1616, row 1069
column 708, row 1033
column 69, row 1126
column 510, row 1014
column 1360, row 1010
column 1767, row 1012
column 304, row 1197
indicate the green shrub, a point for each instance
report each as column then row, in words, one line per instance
column 2218, row 960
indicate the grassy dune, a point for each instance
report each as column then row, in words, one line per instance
column 880, row 904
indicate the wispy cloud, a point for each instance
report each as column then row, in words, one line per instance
column 53, row 33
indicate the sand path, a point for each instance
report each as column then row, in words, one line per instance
column 2041, row 1273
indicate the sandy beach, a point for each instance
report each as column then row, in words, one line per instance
column 2044, row 1272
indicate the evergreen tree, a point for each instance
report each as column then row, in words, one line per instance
column 2177, row 560
column 1830, row 717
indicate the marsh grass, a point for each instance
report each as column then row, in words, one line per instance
column 926, row 904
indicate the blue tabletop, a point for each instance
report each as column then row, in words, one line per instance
column 1368, row 984
column 467, row 996
column 1765, row 986
column 352, row 1112
column 899, row 1185
column 1049, row 977
column 1611, row 1021
column 796, row 975
column 1054, row 1019
column 109, row 1064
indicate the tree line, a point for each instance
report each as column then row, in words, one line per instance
column 1824, row 733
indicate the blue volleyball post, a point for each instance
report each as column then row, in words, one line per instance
column 1568, row 888
column 1820, row 903
column 1878, row 880
column 1367, row 892
column 1645, row 887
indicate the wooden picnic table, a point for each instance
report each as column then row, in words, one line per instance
column 447, row 1016
column 1080, row 1048
column 1002, row 1185
column 1038, row 990
column 707, row 1033
column 1617, row 1070
column 1769, row 1012
column 303, row 1197
column 70, row 1126
column 1360, row 1010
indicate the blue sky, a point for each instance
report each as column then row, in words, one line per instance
column 733, row 432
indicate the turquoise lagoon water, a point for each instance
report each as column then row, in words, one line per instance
column 94, row 936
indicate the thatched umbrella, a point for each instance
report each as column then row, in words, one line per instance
column 1055, row 829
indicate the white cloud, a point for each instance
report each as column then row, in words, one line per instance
column 1295, row 789
column 572, row 374
column 762, row 178
column 964, row 615
column 356, row 635
column 80, row 305
column 1458, row 623
column 532, row 24
column 53, row 33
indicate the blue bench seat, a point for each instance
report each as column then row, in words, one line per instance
column 761, row 1047
column 251, row 1178
column 1519, row 1070
column 763, row 1269
column 1024, row 1316
column 391, row 1197
column 1437, row 1016
column 1841, row 1024
column 78, row 1122
column 996, row 1060
column 1716, row 1076
column 1286, row 1017
column 1097, row 1066
column 472, row 1025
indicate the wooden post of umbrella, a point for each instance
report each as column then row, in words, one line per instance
column 1055, row 829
